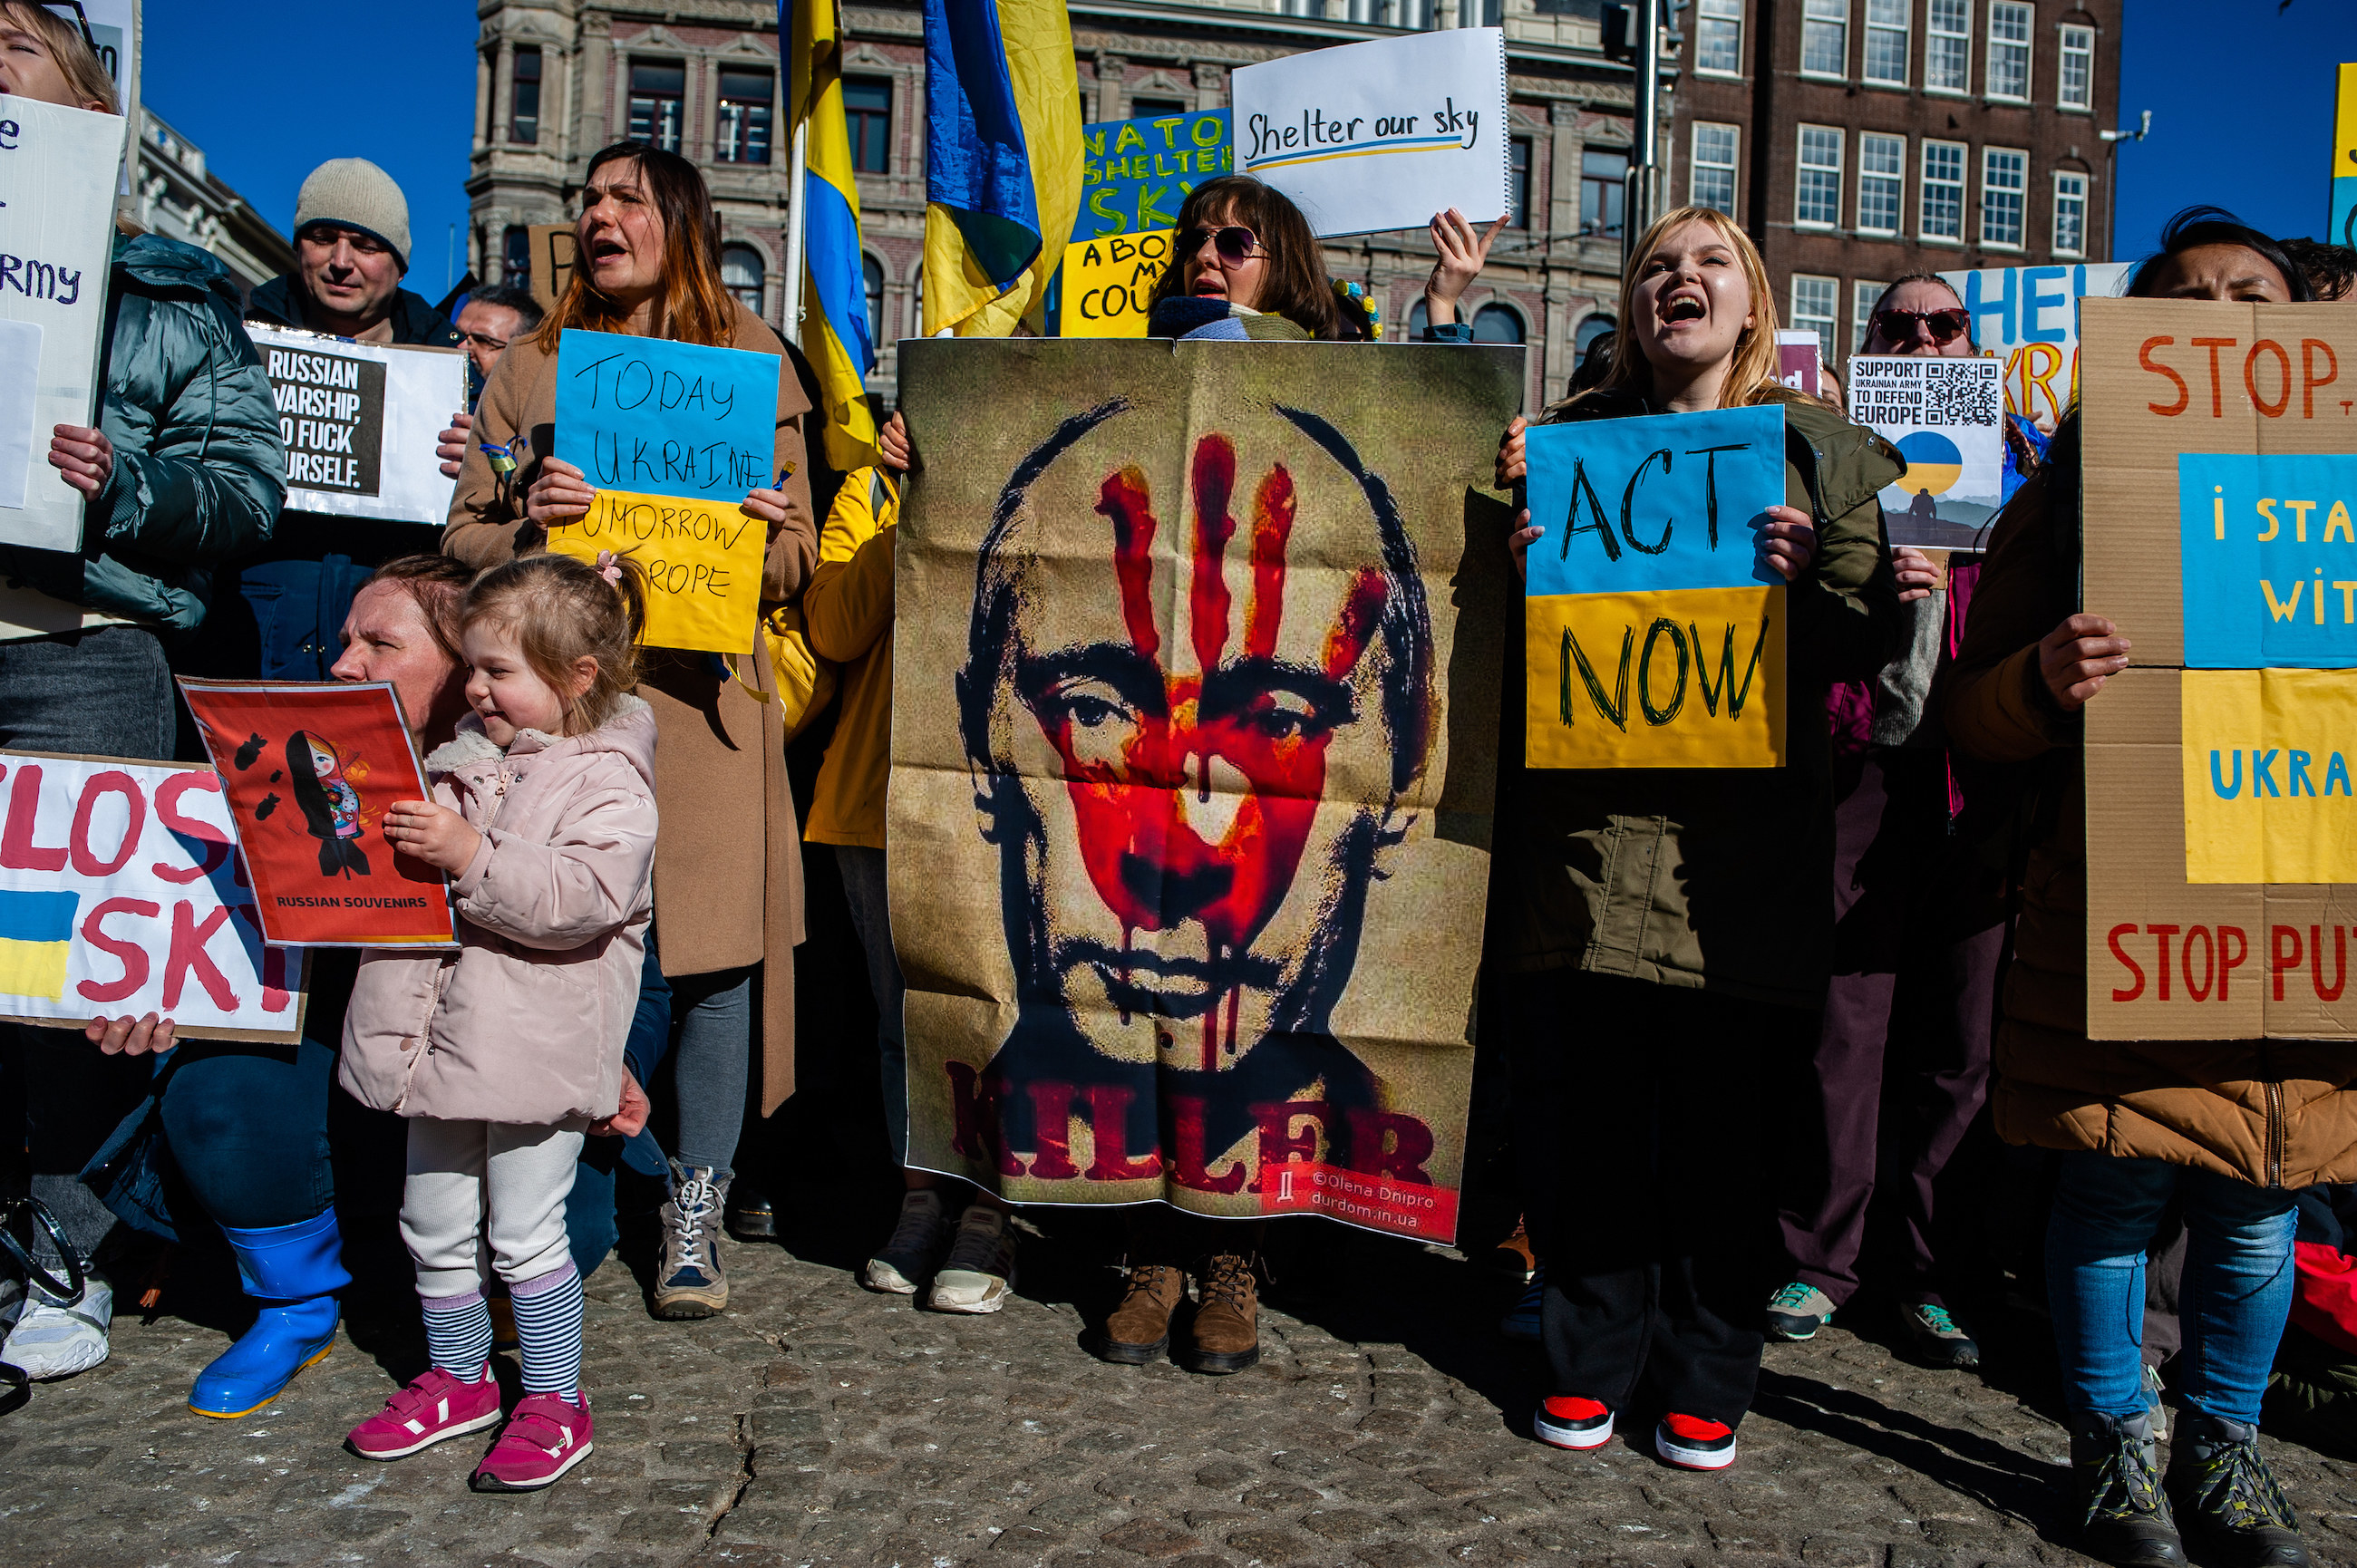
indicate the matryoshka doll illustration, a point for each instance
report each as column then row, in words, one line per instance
column 331, row 807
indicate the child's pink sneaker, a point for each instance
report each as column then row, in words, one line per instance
column 547, row 1436
column 435, row 1406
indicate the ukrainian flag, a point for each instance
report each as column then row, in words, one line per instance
column 36, row 933
column 837, row 337
column 1002, row 160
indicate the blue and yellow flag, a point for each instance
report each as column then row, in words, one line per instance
column 1002, row 160
column 837, row 337
column 36, row 933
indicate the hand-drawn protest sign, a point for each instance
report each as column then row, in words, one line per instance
column 1195, row 664
column 1380, row 134
column 309, row 770
column 359, row 422
column 121, row 894
column 2221, row 827
column 2343, row 230
column 1947, row 419
column 2028, row 316
column 58, row 173
column 1108, row 283
column 1655, row 633
column 550, row 265
column 674, row 436
column 1135, row 174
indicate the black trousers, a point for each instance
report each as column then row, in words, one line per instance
column 1638, row 1115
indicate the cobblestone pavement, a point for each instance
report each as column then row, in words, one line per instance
column 1386, row 1426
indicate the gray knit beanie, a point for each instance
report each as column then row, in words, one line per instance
column 356, row 194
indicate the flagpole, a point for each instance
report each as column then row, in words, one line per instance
column 797, row 264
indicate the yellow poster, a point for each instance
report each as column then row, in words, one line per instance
column 1109, row 280
column 1685, row 678
column 703, row 561
column 2268, row 783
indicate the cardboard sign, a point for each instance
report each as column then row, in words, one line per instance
column 1194, row 713
column 1135, row 174
column 121, row 894
column 1380, row 134
column 309, row 770
column 554, row 246
column 2029, row 317
column 2343, row 230
column 1654, row 634
column 1947, row 419
column 359, row 422
column 2221, row 876
column 674, row 436
column 1109, row 283
column 58, row 173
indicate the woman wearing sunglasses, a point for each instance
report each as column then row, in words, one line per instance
column 1246, row 268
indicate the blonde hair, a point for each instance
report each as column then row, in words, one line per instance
column 84, row 72
column 563, row 610
column 1753, row 377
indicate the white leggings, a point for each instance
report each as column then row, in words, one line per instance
column 473, row 1183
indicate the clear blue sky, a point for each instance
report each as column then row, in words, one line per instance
column 2241, row 99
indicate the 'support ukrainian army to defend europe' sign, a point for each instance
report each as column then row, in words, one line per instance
column 1195, row 703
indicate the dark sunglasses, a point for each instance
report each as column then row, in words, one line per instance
column 1898, row 326
column 1235, row 243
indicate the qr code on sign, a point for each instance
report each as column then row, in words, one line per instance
column 1960, row 394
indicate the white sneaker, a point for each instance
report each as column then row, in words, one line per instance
column 910, row 1258
column 12, row 1300
column 56, row 1338
column 979, row 1273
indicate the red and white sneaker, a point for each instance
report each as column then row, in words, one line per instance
column 1693, row 1444
column 435, row 1406
column 547, row 1436
column 1566, row 1421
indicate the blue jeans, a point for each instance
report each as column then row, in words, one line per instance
column 2236, row 1298
column 712, row 1061
column 249, row 1130
column 863, row 890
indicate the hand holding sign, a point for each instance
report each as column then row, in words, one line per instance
column 85, row 457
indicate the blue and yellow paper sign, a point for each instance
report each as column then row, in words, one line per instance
column 1654, row 634
column 35, row 939
column 673, row 436
column 2344, row 159
column 2267, row 757
column 1134, row 174
column 2268, row 548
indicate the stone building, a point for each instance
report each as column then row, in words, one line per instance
column 175, row 194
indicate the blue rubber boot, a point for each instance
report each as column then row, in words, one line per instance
column 291, row 1270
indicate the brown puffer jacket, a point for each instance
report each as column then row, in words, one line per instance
column 2274, row 1112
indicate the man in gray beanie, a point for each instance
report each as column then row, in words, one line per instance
column 352, row 248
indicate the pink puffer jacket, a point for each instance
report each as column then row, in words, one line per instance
column 527, row 1021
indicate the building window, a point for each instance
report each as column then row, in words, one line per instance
column 2005, row 183
column 1862, row 296
column 871, row 272
column 1816, row 195
column 523, row 96
column 1881, row 182
column 2069, row 214
column 2009, row 49
column 1943, row 190
column 1314, row 9
column 868, row 116
column 657, row 93
column 1518, row 182
column 2075, row 88
column 1603, row 186
column 1154, row 108
column 1497, row 323
column 515, row 256
column 742, row 132
column 1813, row 310
column 1824, row 37
column 1948, row 47
column 1718, row 36
column 742, row 274
column 1414, row 14
column 1710, row 179
column 1885, row 41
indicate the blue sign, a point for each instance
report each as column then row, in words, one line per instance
column 652, row 417
column 1667, row 501
column 1135, row 173
column 2269, row 557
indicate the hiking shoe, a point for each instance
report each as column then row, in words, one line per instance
column 1798, row 1311
column 690, row 1282
column 56, row 1336
column 1514, row 1257
column 430, row 1409
column 750, row 1216
column 2230, row 1498
column 1138, row 1329
column 1693, row 1444
column 2159, row 1412
column 1939, row 1340
column 1565, row 1421
column 547, row 1436
column 912, row 1255
column 1224, row 1336
column 979, row 1274
column 1521, row 1320
column 2124, row 1516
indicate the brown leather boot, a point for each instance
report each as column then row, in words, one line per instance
column 1225, row 1335
column 1140, row 1328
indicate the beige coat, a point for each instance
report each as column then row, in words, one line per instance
column 728, row 869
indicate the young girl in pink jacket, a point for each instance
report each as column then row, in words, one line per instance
column 505, row 1051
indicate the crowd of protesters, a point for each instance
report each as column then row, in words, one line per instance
column 1741, row 1095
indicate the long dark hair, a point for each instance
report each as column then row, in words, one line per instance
column 1294, row 284
column 1895, row 284
column 2215, row 226
column 697, row 306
